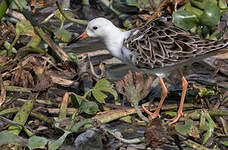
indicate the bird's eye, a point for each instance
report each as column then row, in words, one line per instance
column 94, row 28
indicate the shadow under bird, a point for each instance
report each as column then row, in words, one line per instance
column 156, row 48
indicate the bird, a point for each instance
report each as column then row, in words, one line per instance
column 156, row 48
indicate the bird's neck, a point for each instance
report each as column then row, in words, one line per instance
column 114, row 43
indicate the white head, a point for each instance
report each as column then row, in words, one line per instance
column 105, row 30
column 99, row 27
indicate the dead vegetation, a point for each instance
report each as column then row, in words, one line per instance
column 55, row 99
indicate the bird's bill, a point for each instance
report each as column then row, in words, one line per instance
column 80, row 37
column 83, row 36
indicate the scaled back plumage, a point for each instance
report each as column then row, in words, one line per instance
column 160, row 44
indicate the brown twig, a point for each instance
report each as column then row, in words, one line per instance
column 158, row 11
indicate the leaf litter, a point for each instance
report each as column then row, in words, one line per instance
column 44, row 105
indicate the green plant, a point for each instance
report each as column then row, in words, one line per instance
column 200, row 16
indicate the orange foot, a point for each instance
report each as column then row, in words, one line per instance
column 151, row 115
column 175, row 119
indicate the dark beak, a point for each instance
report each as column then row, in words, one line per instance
column 80, row 37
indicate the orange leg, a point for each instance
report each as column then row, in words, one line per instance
column 164, row 94
column 184, row 86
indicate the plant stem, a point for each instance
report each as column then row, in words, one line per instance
column 3, row 7
column 9, row 52
column 139, row 112
column 85, row 22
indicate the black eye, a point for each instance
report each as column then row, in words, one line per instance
column 94, row 28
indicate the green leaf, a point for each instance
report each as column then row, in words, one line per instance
column 35, row 142
column 205, row 31
column 21, row 117
column 80, row 124
column 222, row 4
column 24, row 27
column 193, row 10
column 131, row 6
column 89, row 107
column 83, row 104
column 215, row 35
column 111, row 91
column 206, row 92
column 73, row 57
column 63, row 35
column 188, row 128
column 184, row 19
column 105, row 85
column 202, row 3
column 203, row 125
column 53, row 145
column 225, row 143
column 10, row 138
column 99, row 96
column 210, row 128
column 35, row 42
column 211, row 15
column 59, row 16
column 74, row 100
column 22, row 2
column 184, row 129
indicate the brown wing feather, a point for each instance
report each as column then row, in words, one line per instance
column 160, row 44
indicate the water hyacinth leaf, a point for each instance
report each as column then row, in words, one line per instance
column 63, row 35
column 73, row 57
column 184, row 19
column 10, row 138
column 202, row 3
column 193, row 10
column 77, row 100
column 184, row 129
column 89, row 107
column 83, row 104
column 188, row 128
column 199, row 4
column 99, row 96
column 74, row 101
column 111, row 91
column 211, row 15
column 53, row 145
column 24, row 27
column 35, row 142
column 105, row 85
